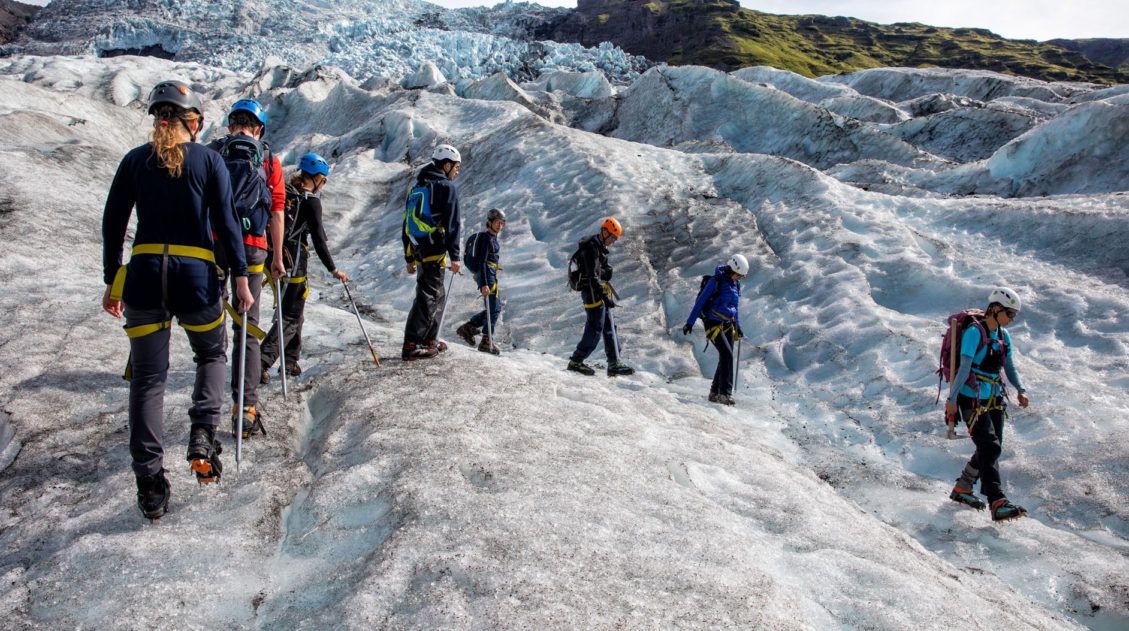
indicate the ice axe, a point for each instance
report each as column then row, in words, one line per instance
column 242, row 379
column 349, row 294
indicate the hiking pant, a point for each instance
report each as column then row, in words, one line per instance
column 598, row 324
column 256, row 258
column 293, row 316
column 478, row 320
column 427, row 310
column 988, row 435
column 723, row 342
column 149, row 357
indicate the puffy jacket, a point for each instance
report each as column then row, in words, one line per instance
column 177, row 211
column 445, row 210
column 720, row 299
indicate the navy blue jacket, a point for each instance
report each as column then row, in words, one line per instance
column 594, row 269
column 722, row 307
column 445, row 211
column 177, row 211
column 488, row 274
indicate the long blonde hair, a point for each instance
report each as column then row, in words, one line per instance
column 166, row 139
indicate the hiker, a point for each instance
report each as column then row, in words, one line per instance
column 482, row 259
column 259, row 196
column 303, row 217
column 592, row 277
column 431, row 238
column 717, row 305
column 978, row 396
column 182, row 193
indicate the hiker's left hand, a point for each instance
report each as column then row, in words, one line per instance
column 455, row 267
column 277, row 269
column 1023, row 400
column 341, row 276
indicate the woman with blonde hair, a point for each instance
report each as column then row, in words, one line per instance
column 182, row 193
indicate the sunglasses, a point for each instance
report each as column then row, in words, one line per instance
column 1011, row 313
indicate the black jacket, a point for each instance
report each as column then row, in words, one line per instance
column 487, row 275
column 307, row 221
column 445, row 210
column 594, row 269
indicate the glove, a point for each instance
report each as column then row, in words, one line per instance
column 686, row 330
column 740, row 333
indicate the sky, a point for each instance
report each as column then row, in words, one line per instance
column 1017, row 19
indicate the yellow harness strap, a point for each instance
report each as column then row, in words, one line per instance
column 437, row 257
column 593, row 305
column 238, row 320
column 158, row 249
column 142, row 330
column 256, row 269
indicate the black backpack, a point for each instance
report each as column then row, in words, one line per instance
column 574, row 269
column 245, row 158
column 292, row 232
column 702, row 287
column 475, row 254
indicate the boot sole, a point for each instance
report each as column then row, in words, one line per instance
column 978, row 505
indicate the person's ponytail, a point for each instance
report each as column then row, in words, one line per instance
column 167, row 121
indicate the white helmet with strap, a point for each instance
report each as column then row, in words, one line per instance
column 446, row 152
column 1006, row 297
column 739, row 264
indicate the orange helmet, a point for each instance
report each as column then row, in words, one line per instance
column 612, row 226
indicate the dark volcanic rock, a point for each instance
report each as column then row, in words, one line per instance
column 13, row 16
column 1106, row 51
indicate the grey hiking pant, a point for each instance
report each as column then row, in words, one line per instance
column 427, row 310
column 149, row 357
column 255, row 257
column 293, row 316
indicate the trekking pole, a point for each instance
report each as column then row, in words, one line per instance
column 615, row 335
column 446, row 299
column 242, row 380
column 489, row 320
column 281, row 335
column 349, row 294
column 737, row 364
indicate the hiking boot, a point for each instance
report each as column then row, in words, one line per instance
column 413, row 352
column 724, row 399
column 467, row 331
column 293, row 369
column 439, row 346
column 620, row 369
column 204, row 453
column 153, row 493
column 1003, row 510
column 252, row 422
column 487, row 346
column 264, row 378
column 581, row 368
column 963, row 495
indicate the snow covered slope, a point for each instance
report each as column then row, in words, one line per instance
column 481, row 492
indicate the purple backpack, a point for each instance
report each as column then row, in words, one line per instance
column 958, row 323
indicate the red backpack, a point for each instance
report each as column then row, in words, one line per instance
column 958, row 323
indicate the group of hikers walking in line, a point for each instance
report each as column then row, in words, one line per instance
column 221, row 221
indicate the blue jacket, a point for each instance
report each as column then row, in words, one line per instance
column 487, row 275
column 972, row 354
column 720, row 299
column 177, row 211
column 445, row 210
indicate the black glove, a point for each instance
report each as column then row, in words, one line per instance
column 687, row 329
column 608, row 302
column 740, row 333
column 606, row 274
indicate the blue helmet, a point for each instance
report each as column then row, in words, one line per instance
column 252, row 106
column 313, row 164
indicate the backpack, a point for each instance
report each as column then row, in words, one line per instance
column 292, row 232
column 419, row 223
column 958, row 323
column 702, row 287
column 475, row 256
column 245, row 158
column 574, row 270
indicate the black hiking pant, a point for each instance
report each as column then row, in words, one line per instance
column 294, row 294
column 723, row 376
column 149, row 359
column 427, row 310
column 597, row 324
column 988, row 435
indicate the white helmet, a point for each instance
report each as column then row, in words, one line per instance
column 738, row 264
column 446, row 152
column 1006, row 297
